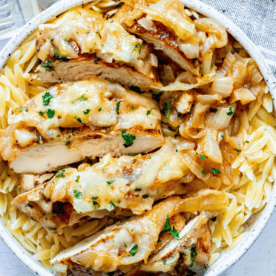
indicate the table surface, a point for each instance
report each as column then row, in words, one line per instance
column 259, row 259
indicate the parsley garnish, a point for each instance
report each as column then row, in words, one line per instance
column 174, row 233
column 77, row 179
column 129, row 138
column 48, row 65
column 133, row 250
column 193, row 254
column 47, row 98
column 149, row 111
column 237, row 150
column 52, row 228
column 98, row 33
column 77, row 193
column 203, row 172
column 164, row 261
column 41, row 113
column 137, row 46
column 79, row 120
column 27, row 110
column 81, row 99
column 215, row 171
column 230, row 111
column 132, row 108
column 95, row 203
column 138, row 189
column 167, row 226
column 110, row 182
column 202, row 156
column 112, row 205
column 86, row 111
column 50, row 113
column 247, row 142
column 100, row 109
column 146, row 196
column 29, row 205
column 118, row 107
column 167, row 110
column 67, row 143
column 60, row 174
column 51, row 41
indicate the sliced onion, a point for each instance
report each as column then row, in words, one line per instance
column 24, row 137
column 208, row 44
column 256, row 76
column 145, row 23
column 207, row 62
column 227, row 63
column 191, row 51
column 222, row 86
column 208, row 99
column 153, row 60
column 222, row 118
column 211, row 149
column 243, row 95
column 210, row 25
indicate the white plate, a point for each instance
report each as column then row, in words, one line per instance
column 257, row 223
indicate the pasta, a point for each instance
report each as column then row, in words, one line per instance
column 239, row 140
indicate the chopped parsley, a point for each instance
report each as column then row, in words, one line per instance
column 81, row 99
column 110, row 182
column 47, row 65
column 118, row 107
column 94, row 202
column 215, row 171
column 77, row 193
column 52, row 40
column 223, row 10
column 237, row 150
column 77, row 179
column 167, row 110
column 193, row 254
column 222, row 136
column 146, row 196
column 86, row 111
column 27, row 110
column 119, row 201
column 203, row 172
column 128, row 138
column 79, row 120
column 167, row 226
column 230, row 111
column 134, row 161
column 41, row 113
column 202, row 156
column 174, row 233
column 138, row 189
column 137, row 46
column 67, row 143
column 52, row 228
column 214, row 110
column 100, row 109
column 29, row 205
column 164, row 261
column 112, row 205
column 98, row 33
column 247, row 142
column 132, row 108
column 125, row 245
column 149, row 111
column 133, row 250
column 60, row 174
column 46, row 98
column 50, row 113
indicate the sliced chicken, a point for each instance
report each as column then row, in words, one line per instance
column 76, row 120
column 130, row 244
column 193, row 243
column 113, row 185
column 165, row 25
column 84, row 44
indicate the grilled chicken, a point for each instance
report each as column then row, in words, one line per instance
column 113, row 185
column 130, row 244
column 76, row 120
column 165, row 25
column 84, row 44
column 194, row 244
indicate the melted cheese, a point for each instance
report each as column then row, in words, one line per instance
column 93, row 34
column 128, row 182
column 93, row 103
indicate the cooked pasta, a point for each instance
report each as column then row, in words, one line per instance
column 215, row 105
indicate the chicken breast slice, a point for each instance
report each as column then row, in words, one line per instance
column 73, row 121
column 131, row 243
column 85, row 44
column 113, row 185
column 122, row 244
column 165, row 25
column 194, row 244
